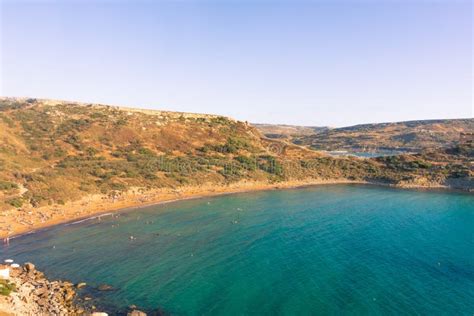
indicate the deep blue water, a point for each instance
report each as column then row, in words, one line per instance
column 322, row 250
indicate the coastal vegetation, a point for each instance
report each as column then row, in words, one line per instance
column 6, row 287
column 54, row 152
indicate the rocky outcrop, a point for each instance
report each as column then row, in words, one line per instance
column 36, row 295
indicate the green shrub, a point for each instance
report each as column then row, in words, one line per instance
column 15, row 202
column 74, row 140
column 269, row 164
column 232, row 146
column 6, row 287
column 121, row 122
column 249, row 163
column 7, row 121
column 4, row 185
column 72, row 125
column 59, row 152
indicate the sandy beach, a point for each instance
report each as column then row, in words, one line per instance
column 28, row 219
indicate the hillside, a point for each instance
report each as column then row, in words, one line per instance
column 287, row 131
column 412, row 136
column 55, row 153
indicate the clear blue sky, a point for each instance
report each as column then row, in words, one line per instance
column 297, row 62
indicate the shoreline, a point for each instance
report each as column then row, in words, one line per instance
column 100, row 205
column 32, row 293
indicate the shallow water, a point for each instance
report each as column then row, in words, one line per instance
column 341, row 249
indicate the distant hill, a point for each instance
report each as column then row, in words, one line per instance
column 413, row 136
column 287, row 131
column 52, row 152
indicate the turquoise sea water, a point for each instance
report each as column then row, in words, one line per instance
column 323, row 250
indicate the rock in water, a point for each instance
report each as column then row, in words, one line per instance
column 136, row 313
column 105, row 287
column 69, row 296
column 29, row 267
column 80, row 285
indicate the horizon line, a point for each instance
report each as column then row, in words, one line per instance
column 139, row 107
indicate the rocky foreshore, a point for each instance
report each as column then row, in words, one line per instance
column 34, row 294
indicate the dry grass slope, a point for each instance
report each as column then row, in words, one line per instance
column 52, row 152
column 412, row 136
